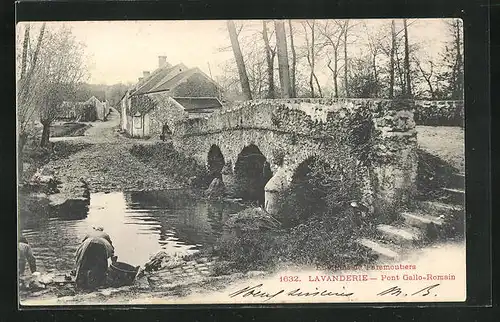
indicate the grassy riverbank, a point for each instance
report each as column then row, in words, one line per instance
column 164, row 158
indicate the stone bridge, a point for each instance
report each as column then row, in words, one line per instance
column 261, row 145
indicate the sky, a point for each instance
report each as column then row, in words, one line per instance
column 119, row 51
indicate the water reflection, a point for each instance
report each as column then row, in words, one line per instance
column 139, row 223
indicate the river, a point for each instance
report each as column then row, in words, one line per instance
column 139, row 223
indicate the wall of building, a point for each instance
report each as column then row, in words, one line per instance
column 123, row 115
column 165, row 112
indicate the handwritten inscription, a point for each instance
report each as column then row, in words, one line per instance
column 256, row 291
column 397, row 291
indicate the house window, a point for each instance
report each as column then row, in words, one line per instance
column 137, row 122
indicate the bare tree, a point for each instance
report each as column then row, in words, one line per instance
column 375, row 48
column 284, row 71
column 294, row 62
column 346, row 74
column 233, row 36
column 391, row 62
column 270, row 53
column 427, row 75
column 24, row 58
column 310, row 25
column 400, row 72
column 407, row 61
column 453, row 61
column 333, row 34
column 63, row 68
column 29, row 85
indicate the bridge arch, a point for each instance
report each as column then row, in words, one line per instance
column 215, row 162
column 311, row 187
column 251, row 171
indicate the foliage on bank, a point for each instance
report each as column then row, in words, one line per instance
column 172, row 163
column 253, row 240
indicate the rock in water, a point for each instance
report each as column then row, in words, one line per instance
column 216, row 189
column 248, row 220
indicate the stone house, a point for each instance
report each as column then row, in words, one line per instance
column 165, row 96
column 101, row 108
column 89, row 111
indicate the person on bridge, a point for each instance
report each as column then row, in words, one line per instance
column 92, row 259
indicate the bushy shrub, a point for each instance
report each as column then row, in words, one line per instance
column 440, row 114
column 318, row 189
column 326, row 242
column 248, row 239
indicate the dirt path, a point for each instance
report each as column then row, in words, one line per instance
column 106, row 163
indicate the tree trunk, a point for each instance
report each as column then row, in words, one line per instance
column 346, row 81
column 401, row 75
column 20, row 147
column 294, row 61
column 334, row 75
column 282, row 58
column 313, row 54
column 238, row 56
column 45, row 134
column 427, row 78
column 459, row 81
column 375, row 74
column 317, row 84
column 24, row 92
column 25, row 51
column 269, row 60
column 407, row 61
column 23, row 137
column 311, row 84
column 391, row 67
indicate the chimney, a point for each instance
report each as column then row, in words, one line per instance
column 145, row 73
column 162, row 62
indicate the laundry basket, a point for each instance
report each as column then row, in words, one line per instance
column 121, row 274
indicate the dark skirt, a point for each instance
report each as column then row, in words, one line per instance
column 93, row 267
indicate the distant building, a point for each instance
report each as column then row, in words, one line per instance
column 168, row 94
column 88, row 111
column 101, row 108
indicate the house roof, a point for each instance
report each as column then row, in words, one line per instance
column 93, row 99
column 198, row 104
column 158, row 77
column 171, row 83
column 167, row 78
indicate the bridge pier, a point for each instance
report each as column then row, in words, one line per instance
column 275, row 187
